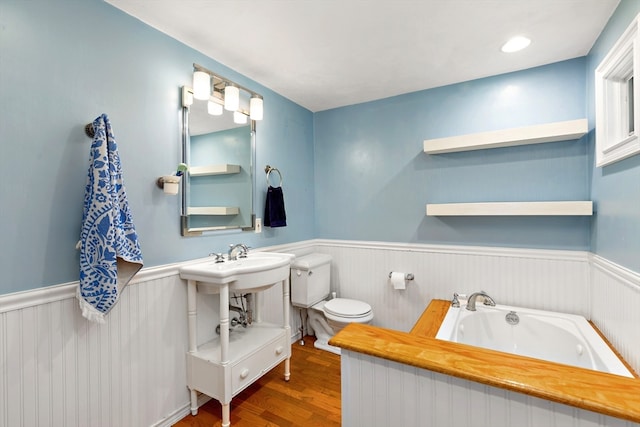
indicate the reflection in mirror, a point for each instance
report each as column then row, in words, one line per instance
column 218, row 188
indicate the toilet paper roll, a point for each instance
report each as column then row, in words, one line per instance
column 397, row 280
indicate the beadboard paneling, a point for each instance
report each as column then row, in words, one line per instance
column 382, row 393
column 542, row 279
column 614, row 307
column 60, row 370
column 57, row 369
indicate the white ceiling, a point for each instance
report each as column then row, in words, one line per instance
column 324, row 54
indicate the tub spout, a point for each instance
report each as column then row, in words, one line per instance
column 471, row 302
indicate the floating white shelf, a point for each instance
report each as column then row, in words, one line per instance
column 551, row 132
column 222, row 169
column 562, row 208
column 213, row 210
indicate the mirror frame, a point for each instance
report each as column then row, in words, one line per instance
column 185, row 230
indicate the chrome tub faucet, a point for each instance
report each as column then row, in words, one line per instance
column 455, row 302
column 471, row 301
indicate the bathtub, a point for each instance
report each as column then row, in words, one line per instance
column 555, row 337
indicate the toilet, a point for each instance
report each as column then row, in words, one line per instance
column 310, row 288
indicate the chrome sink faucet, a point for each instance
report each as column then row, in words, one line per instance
column 471, row 301
column 239, row 250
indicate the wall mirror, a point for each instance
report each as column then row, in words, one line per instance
column 218, row 146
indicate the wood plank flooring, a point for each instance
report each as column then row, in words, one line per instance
column 311, row 397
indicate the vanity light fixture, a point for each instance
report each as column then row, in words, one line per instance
column 224, row 94
column 239, row 117
column 256, row 107
column 201, row 85
column 515, row 44
column 214, row 108
column 231, row 97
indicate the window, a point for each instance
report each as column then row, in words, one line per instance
column 617, row 115
column 630, row 120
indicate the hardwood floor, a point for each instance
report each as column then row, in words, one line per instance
column 311, row 397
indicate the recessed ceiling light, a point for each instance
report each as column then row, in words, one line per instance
column 515, row 44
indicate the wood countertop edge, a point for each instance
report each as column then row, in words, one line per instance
column 607, row 394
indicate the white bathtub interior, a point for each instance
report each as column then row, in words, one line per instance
column 555, row 337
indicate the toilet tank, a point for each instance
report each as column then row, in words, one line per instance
column 310, row 279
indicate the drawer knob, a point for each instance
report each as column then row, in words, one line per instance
column 244, row 373
column 279, row 350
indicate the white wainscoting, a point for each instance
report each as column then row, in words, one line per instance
column 543, row 279
column 57, row 369
column 615, row 307
column 567, row 281
column 60, row 370
column 382, row 393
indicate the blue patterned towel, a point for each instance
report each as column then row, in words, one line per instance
column 109, row 250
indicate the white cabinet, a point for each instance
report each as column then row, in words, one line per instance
column 550, row 132
column 223, row 367
column 258, row 349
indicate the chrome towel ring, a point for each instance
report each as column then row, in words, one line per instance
column 268, row 169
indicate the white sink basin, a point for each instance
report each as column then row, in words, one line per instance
column 257, row 272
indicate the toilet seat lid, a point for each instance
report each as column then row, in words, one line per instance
column 343, row 307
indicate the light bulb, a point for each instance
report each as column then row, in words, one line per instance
column 201, row 85
column 256, row 108
column 515, row 44
column 239, row 118
column 231, row 98
column 214, row 108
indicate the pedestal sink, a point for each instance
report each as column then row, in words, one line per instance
column 221, row 369
column 257, row 272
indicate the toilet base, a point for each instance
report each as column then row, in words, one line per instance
column 324, row 328
column 324, row 345
column 319, row 327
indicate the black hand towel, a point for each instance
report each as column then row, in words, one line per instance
column 274, row 213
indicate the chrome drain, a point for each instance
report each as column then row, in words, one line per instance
column 512, row 318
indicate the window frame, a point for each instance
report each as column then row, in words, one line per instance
column 617, row 109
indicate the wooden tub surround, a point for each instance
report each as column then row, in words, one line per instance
column 599, row 392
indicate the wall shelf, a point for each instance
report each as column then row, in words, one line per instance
column 213, row 210
column 561, row 208
column 222, row 169
column 550, row 132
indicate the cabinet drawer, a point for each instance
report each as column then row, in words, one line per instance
column 257, row 364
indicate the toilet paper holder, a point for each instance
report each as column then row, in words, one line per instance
column 407, row 276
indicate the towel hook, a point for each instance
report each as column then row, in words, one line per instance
column 268, row 169
column 88, row 129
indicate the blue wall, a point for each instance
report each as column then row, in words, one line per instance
column 65, row 62
column 615, row 188
column 373, row 180
column 356, row 172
